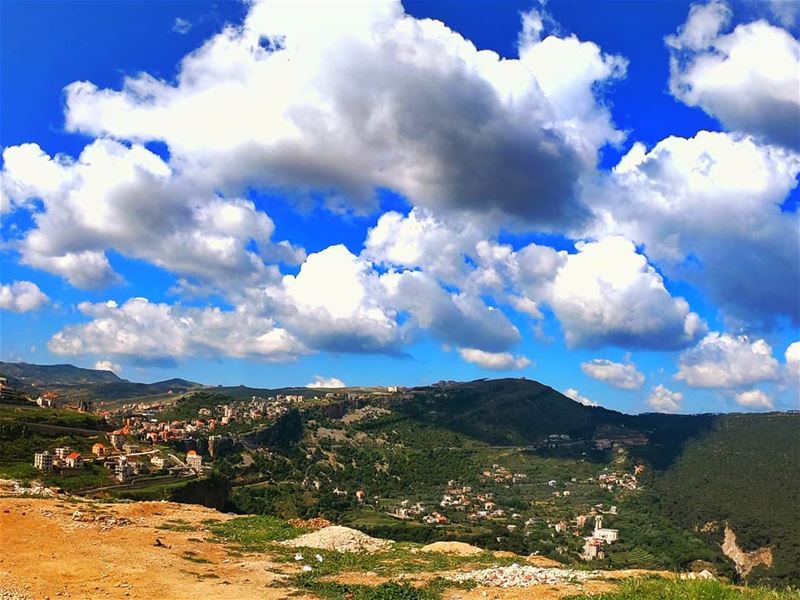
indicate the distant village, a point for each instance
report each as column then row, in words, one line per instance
column 478, row 506
column 147, row 446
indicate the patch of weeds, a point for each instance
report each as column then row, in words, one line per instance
column 176, row 527
column 389, row 563
column 385, row 591
column 255, row 534
column 664, row 589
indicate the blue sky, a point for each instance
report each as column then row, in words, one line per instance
column 591, row 204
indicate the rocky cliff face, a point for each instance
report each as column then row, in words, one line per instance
column 744, row 561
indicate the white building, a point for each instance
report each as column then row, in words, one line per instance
column 609, row 536
column 43, row 461
column 123, row 469
column 194, row 460
column 62, row 453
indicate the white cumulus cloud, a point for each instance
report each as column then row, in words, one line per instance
column 792, row 357
column 620, row 375
column 721, row 360
column 574, row 394
column 754, row 399
column 22, row 296
column 665, row 400
column 369, row 97
column 670, row 199
column 607, row 293
column 326, row 382
column 107, row 365
column 498, row 361
column 748, row 78
column 336, row 302
column 158, row 332
column 127, row 199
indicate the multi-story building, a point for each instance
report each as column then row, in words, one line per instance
column 62, row 453
column 43, row 461
column 194, row 460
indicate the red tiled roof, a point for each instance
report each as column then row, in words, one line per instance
column 74, row 455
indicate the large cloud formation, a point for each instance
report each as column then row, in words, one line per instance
column 363, row 96
column 748, row 79
column 162, row 333
column 116, row 197
column 607, row 294
column 671, row 198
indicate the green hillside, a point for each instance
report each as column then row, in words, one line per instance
column 54, row 375
column 746, row 472
column 75, row 384
column 535, row 455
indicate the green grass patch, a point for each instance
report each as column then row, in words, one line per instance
column 181, row 528
column 23, row 472
column 664, row 589
column 255, row 534
column 386, row 591
column 390, row 563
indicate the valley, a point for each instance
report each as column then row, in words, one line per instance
column 509, row 466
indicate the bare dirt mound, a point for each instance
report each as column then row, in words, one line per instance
column 457, row 548
column 340, row 539
column 543, row 561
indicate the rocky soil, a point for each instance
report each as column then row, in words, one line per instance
column 69, row 548
column 524, row 576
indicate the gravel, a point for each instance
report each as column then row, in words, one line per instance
column 7, row 593
column 524, row 576
column 340, row 539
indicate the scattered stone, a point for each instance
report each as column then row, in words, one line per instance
column 523, row 576
column 315, row 523
column 704, row 574
column 10, row 593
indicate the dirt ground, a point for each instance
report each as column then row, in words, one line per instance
column 48, row 554
column 109, row 551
